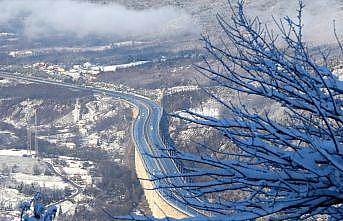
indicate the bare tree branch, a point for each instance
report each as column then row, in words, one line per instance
column 286, row 169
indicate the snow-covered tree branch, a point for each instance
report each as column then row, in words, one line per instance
column 34, row 210
column 289, row 168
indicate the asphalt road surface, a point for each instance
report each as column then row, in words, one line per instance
column 147, row 140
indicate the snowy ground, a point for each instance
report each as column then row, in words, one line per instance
column 67, row 123
column 15, row 153
column 14, row 161
column 23, row 173
column 338, row 71
column 54, row 182
column 75, row 170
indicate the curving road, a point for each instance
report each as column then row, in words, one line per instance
column 146, row 138
column 78, row 188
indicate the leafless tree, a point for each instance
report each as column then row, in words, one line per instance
column 289, row 169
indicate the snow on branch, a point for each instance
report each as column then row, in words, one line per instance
column 286, row 169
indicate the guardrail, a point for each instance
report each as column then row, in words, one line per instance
column 163, row 126
column 164, row 138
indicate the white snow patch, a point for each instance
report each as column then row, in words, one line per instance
column 123, row 66
column 15, row 54
column 181, row 89
column 46, row 181
column 14, row 152
column 68, row 207
column 338, row 71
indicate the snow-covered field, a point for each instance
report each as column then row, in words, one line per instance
column 74, row 169
column 23, row 173
column 13, row 161
column 10, row 198
column 14, row 152
column 54, row 182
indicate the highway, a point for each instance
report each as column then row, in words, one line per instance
column 147, row 140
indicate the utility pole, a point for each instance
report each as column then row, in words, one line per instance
column 29, row 132
column 29, row 139
column 36, row 132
